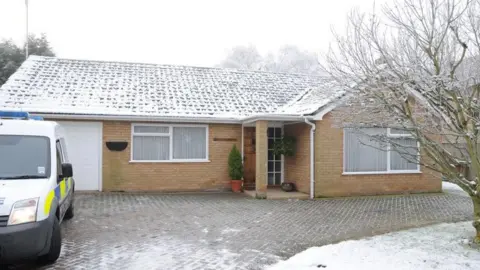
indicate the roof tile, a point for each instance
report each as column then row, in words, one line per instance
column 55, row 85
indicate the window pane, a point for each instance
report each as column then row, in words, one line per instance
column 364, row 154
column 278, row 166
column 270, row 155
column 189, row 143
column 270, row 166
column 403, row 152
column 60, row 151
column 24, row 155
column 271, row 178
column 59, row 163
column 150, row 129
column 278, row 132
column 151, row 148
column 270, row 132
column 64, row 150
column 270, row 143
column 278, row 179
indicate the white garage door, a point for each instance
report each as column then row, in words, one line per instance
column 84, row 146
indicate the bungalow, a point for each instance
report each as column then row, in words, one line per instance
column 146, row 127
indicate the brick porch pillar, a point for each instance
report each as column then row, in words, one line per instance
column 261, row 148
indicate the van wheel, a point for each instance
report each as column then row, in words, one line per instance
column 70, row 211
column 55, row 245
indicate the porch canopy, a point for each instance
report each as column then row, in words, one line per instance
column 266, row 169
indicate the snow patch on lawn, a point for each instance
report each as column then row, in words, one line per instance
column 453, row 188
column 439, row 247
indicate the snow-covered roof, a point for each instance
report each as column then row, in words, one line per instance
column 313, row 99
column 68, row 86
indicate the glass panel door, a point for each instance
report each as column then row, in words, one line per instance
column 274, row 168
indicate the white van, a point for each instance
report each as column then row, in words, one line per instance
column 36, row 188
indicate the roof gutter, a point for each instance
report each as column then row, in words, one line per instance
column 180, row 119
column 312, row 157
column 139, row 118
column 273, row 117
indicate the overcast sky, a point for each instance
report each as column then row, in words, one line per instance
column 186, row 32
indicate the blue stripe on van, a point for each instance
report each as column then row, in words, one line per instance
column 57, row 192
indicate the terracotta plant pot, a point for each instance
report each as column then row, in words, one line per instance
column 236, row 185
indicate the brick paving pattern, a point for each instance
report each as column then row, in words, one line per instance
column 231, row 231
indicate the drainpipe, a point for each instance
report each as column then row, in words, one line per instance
column 243, row 150
column 312, row 158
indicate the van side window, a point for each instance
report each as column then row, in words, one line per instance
column 59, row 159
column 64, row 150
column 60, row 151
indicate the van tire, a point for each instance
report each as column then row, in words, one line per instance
column 69, row 214
column 55, row 245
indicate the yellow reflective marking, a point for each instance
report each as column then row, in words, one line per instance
column 62, row 189
column 48, row 202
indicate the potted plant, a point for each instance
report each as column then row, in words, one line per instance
column 235, row 169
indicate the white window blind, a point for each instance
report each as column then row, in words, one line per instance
column 364, row 154
column 151, row 147
column 169, row 143
column 189, row 143
column 402, row 153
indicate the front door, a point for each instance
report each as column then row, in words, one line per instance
column 274, row 167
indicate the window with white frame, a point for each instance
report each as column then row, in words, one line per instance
column 363, row 153
column 169, row 143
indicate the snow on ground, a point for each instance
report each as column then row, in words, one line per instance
column 230, row 230
column 453, row 188
column 162, row 252
column 170, row 253
column 438, row 247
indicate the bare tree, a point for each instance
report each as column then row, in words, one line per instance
column 243, row 57
column 414, row 65
column 289, row 59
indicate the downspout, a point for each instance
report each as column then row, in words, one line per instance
column 242, row 142
column 243, row 155
column 312, row 157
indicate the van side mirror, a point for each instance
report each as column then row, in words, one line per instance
column 67, row 170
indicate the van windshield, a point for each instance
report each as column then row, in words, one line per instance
column 24, row 157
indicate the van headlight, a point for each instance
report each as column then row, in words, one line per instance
column 23, row 212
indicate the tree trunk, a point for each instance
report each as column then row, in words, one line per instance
column 476, row 218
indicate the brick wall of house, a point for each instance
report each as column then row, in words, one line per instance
column 120, row 174
column 330, row 182
column 297, row 168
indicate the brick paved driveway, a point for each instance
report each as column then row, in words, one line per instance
column 230, row 231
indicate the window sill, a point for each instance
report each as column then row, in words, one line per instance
column 387, row 172
column 171, row 161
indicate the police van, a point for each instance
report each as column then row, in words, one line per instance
column 36, row 188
